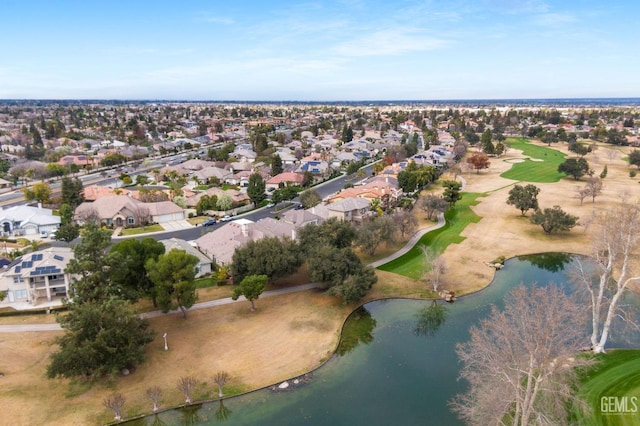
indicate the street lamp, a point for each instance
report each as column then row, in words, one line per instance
column 166, row 347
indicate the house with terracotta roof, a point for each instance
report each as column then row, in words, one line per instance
column 284, row 179
column 37, row 278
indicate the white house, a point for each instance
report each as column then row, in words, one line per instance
column 37, row 278
column 28, row 220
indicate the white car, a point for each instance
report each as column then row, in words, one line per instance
column 43, row 234
column 226, row 219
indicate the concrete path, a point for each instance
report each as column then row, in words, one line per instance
column 19, row 328
column 411, row 243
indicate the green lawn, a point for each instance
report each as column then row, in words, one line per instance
column 535, row 171
column 136, row 231
column 616, row 375
column 410, row 264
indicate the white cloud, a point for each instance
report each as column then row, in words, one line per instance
column 554, row 19
column 389, row 42
column 214, row 19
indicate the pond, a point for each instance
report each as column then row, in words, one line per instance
column 396, row 363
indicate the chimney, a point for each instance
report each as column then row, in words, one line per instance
column 293, row 234
column 245, row 229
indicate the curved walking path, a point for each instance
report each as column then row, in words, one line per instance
column 19, row 328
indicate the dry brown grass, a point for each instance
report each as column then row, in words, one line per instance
column 290, row 334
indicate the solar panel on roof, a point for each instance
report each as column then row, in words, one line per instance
column 27, row 264
column 57, row 257
column 18, row 269
column 36, row 257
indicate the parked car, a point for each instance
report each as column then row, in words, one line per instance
column 226, row 218
column 52, row 234
column 270, row 205
column 43, row 234
column 298, row 207
column 209, row 222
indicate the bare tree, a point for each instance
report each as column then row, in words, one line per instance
column 155, row 394
column 115, row 402
column 142, row 215
column 581, row 193
column 615, row 244
column 434, row 266
column 612, row 154
column 432, row 204
column 406, row 221
column 89, row 215
column 520, row 363
column 220, row 379
column 186, row 385
column 593, row 187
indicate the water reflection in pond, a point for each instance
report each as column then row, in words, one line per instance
column 396, row 363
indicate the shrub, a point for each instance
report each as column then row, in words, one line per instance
column 632, row 173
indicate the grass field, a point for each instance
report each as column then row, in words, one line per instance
column 410, row 264
column 544, row 171
column 144, row 230
column 616, row 375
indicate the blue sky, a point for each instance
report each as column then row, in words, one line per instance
column 323, row 50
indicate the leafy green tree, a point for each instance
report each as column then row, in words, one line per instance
column 271, row 256
column 66, row 214
column 579, row 148
column 373, row 232
column 332, row 232
column 67, row 232
column 341, row 272
column 72, row 192
column 93, row 267
column 113, row 159
column 174, row 274
column 634, row 158
column 554, row 219
column 310, row 198
column 40, row 192
column 284, row 194
column 355, row 286
column 56, row 170
column 256, row 188
column 574, row 167
column 224, row 202
column 142, row 180
column 251, row 287
column 276, row 165
column 101, row 338
column 133, row 277
column 451, row 192
column 524, row 198
column 486, row 142
column 205, row 203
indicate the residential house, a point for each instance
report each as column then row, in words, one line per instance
column 284, row 179
column 37, row 278
column 28, row 220
column 301, row 217
column 217, row 173
column 204, row 263
column 220, row 244
column 350, row 209
column 122, row 210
